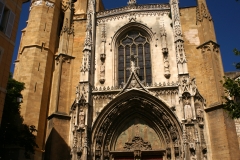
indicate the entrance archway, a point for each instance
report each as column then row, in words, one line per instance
column 136, row 125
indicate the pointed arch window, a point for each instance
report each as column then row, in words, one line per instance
column 134, row 42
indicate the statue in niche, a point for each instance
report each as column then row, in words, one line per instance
column 199, row 113
column 81, row 119
column 187, row 110
column 98, row 146
column 73, row 117
column 166, row 64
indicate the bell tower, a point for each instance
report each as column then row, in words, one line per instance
column 212, row 73
column 34, row 65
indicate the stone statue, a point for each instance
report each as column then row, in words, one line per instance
column 81, row 119
column 199, row 113
column 188, row 110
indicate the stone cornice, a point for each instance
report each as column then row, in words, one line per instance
column 214, row 106
column 64, row 55
column 134, row 8
column 112, row 90
column 59, row 116
column 206, row 43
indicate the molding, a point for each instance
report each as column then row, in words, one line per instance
column 107, row 89
column 37, row 46
column 131, row 8
column 130, row 14
column 214, row 106
column 59, row 116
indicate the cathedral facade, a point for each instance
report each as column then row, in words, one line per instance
column 136, row 82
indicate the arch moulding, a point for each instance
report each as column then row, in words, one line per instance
column 125, row 115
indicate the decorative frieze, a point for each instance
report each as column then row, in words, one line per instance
column 149, row 7
column 130, row 14
column 209, row 47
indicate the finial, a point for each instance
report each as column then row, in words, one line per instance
column 132, row 2
column 133, row 57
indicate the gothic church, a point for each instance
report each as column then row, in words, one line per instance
column 140, row 82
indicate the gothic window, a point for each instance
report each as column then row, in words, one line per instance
column 136, row 43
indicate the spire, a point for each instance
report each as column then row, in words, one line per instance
column 132, row 2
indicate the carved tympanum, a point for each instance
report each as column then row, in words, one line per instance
column 137, row 144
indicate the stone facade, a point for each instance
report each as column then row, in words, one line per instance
column 136, row 82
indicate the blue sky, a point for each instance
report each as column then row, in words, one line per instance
column 225, row 13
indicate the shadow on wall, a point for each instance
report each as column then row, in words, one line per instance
column 56, row 147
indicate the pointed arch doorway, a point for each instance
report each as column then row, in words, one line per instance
column 136, row 125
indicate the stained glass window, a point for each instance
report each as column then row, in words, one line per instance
column 134, row 42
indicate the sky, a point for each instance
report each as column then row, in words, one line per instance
column 225, row 14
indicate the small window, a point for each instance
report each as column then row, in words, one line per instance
column 6, row 20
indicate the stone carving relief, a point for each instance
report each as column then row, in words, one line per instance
column 49, row 4
column 187, row 85
column 87, row 45
column 35, row 3
column 205, row 12
column 163, row 35
column 209, row 47
column 81, row 119
column 202, row 12
column 66, row 4
column 135, row 7
column 188, row 112
column 103, row 55
column 199, row 113
column 137, row 144
column 131, row 16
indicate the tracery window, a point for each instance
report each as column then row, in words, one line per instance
column 134, row 42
